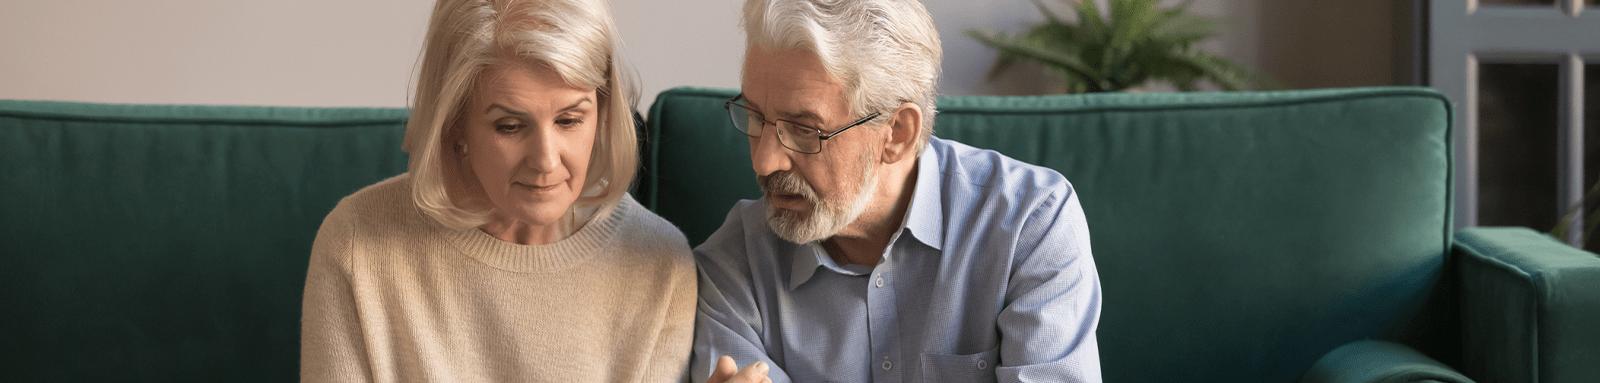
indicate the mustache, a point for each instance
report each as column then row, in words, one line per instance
column 786, row 182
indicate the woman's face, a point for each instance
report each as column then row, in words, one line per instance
column 528, row 136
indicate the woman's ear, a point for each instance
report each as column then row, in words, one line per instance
column 903, row 133
column 461, row 183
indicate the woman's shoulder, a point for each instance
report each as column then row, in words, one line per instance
column 382, row 195
column 361, row 220
column 386, row 203
column 648, row 233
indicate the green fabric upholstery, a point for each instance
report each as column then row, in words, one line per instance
column 169, row 243
column 1530, row 307
column 1239, row 236
column 1371, row 361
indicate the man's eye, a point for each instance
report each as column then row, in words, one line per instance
column 800, row 130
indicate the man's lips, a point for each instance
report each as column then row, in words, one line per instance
column 786, row 201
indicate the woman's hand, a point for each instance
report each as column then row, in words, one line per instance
column 728, row 372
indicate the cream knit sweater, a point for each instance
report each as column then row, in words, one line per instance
column 393, row 296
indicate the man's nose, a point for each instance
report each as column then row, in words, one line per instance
column 767, row 155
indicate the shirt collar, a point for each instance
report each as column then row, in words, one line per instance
column 803, row 262
column 924, row 220
column 807, row 258
column 925, row 217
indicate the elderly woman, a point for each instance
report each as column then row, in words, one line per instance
column 510, row 250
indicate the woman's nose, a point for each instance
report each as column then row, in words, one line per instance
column 544, row 150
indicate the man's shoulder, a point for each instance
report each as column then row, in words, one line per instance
column 1025, row 206
column 985, row 178
column 742, row 257
column 743, row 225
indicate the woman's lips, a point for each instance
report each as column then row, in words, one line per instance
column 536, row 188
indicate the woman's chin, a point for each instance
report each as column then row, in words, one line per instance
column 541, row 214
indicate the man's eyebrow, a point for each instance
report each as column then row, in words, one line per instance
column 807, row 115
column 508, row 110
column 752, row 103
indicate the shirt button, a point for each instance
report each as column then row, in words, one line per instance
column 982, row 364
column 879, row 282
column 887, row 365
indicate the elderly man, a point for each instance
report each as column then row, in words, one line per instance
column 877, row 251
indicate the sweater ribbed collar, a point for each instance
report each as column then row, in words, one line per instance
column 566, row 253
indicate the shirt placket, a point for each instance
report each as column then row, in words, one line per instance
column 882, row 325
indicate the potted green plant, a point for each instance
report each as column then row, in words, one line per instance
column 1135, row 44
column 1588, row 208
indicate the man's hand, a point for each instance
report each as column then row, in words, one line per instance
column 728, row 372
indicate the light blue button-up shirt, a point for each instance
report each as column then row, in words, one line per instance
column 990, row 278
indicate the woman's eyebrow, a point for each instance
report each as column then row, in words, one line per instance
column 508, row 110
column 577, row 104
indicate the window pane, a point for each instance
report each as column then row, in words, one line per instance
column 1517, row 152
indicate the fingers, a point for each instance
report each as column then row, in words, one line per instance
column 727, row 372
column 754, row 373
column 726, row 368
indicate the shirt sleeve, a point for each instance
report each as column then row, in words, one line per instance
column 331, row 347
column 727, row 319
column 1047, row 326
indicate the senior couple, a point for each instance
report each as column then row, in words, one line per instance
column 511, row 251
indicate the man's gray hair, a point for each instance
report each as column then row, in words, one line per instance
column 885, row 52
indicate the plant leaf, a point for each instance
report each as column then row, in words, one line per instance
column 1133, row 43
column 1059, row 60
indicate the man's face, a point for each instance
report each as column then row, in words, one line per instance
column 810, row 197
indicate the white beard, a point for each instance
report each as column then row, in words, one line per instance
column 826, row 217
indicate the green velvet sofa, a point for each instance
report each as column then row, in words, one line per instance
column 1276, row 237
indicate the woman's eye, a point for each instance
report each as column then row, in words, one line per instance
column 569, row 123
column 507, row 127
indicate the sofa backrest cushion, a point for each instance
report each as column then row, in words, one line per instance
column 1239, row 236
column 169, row 243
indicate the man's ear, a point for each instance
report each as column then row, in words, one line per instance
column 903, row 133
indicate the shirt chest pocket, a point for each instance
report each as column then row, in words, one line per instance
column 977, row 367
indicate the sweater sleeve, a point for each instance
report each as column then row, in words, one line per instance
column 331, row 347
column 669, row 362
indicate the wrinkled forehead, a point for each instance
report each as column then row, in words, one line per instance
column 790, row 82
column 527, row 87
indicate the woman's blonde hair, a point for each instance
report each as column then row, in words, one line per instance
column 575, row 38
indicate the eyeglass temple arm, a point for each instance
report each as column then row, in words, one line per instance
column 852, row 124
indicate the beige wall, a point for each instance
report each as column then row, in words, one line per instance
column 281, row 52
column 363, row 52
column 1311, row 43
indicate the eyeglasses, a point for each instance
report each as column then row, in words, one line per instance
column 795, row 136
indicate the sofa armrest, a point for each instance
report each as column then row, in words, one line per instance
column 1371, row 361
column 1530, row 307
